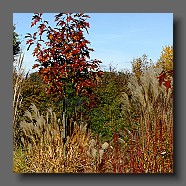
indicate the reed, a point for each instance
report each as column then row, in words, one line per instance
column 45, row 150
column 153, row 139
column 143, row 146
column 18, row 83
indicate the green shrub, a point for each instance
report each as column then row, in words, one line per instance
column 107, row 116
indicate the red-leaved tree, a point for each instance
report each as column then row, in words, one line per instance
column 63, row 57
column 63, row 54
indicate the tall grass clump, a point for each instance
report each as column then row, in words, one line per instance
column 18, row 83
column 45, row 150
column 142, row 144
column 152, row 130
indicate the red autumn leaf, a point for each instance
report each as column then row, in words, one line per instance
column 35, row 66
column 76, row 51
column 34, row 35
column 87, row 24
column 162, row 77
column 33, row 23
column 63, row 58
column 41, row 28
column 167, row 84
column 29, row 41
column 100, row 73
column 69, row 18
column 61, row 23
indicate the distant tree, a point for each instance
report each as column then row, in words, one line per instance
column 33, row 91
column 16, row 42
column 34, row 77
column 166, row 60
column 139, row 65
column 166, row 63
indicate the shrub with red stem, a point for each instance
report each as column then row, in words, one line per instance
column 138, row 157
column 115, row 162
column 132, row 157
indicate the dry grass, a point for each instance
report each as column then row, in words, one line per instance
column 147, row 148
column 154, row 134
column 18, row 81
column 46, row 152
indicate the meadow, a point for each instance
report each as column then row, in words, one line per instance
column 124, row 126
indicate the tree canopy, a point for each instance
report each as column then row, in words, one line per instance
column 16, row 42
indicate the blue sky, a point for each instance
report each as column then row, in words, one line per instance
column 117, row 38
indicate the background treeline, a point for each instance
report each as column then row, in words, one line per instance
column 102, row 110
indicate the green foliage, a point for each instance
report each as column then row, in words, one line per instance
column 107, row 116
column 19, row 163
column 133, row 116
column 16, row 42
column 74, row 103
column 34, row 92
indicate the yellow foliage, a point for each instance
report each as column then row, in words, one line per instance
column 139, row 65
column 166, row 59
